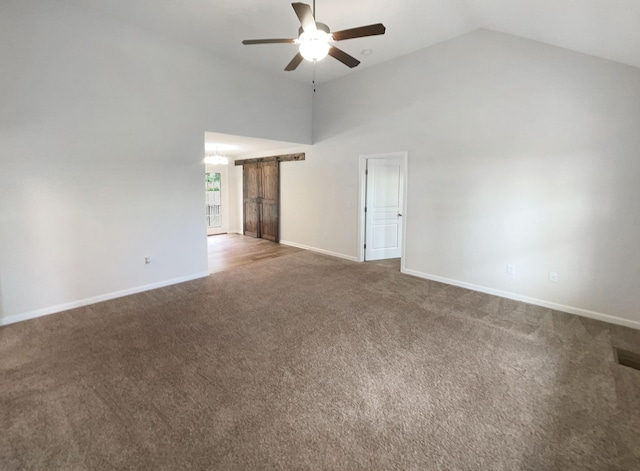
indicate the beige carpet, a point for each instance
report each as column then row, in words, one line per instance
column 311, row 362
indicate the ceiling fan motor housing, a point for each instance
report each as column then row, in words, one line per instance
column 320, row 26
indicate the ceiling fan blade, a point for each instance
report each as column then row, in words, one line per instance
column 360, row 32
column 343, row 57
column 305, row 15
column 269, row 41
column 295, row 62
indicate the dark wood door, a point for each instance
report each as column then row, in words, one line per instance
column 270, row 193
column 251, row 193
column 261, row 193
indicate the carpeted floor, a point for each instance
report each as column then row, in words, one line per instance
column 312, row 362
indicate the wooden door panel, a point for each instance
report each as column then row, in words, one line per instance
column 269, row 188
column 269, row 181
column 250, row 176
column 251, row 219
column 269, row 222
column 250, row 193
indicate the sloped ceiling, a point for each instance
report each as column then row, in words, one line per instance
column 606, row 28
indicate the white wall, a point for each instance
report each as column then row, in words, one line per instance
column 519, row 153
column 101, row 128
column 235, row 198
column 318, row 199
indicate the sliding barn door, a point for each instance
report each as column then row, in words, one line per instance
column 261, row 192
column 251, row 193
column 269, row 209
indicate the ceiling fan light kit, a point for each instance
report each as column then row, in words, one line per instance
column 315, row 45
column 315, row 40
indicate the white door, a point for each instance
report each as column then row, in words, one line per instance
column 383, row 220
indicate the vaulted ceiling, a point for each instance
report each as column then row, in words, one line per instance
column 606, row 28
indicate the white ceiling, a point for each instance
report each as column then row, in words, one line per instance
column 237, row 146
column 604, row 28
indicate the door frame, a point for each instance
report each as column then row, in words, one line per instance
column 362, row 198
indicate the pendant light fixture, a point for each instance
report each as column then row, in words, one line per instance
column 216, row 159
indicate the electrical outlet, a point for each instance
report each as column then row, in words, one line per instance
column 147, row 260
column 554, row 277
column 511, row 269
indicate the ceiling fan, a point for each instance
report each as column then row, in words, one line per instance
column 316, row 39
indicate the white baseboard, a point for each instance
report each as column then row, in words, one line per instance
column 322, row 251
column 96, row 299
column 525, row 299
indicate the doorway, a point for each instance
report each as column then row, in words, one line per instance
column 383, row 187
column 217, row 199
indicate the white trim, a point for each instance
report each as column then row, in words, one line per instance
column 322, row 251
column 234, row 231
column 362, row 201
column 96, row 299
column 362, row 198
column 405, row 196
column 517, row 297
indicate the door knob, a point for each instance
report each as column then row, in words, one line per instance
column 399, row 215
